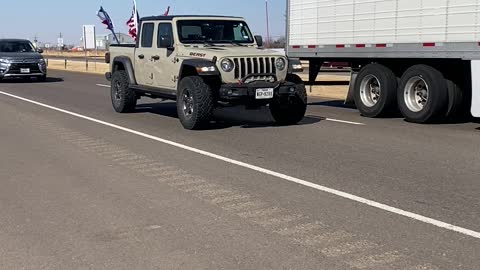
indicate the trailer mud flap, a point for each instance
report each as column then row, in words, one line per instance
column 475, row 88
column 350, row 100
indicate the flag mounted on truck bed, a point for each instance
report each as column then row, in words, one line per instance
column 103, row 15
column 132, row 23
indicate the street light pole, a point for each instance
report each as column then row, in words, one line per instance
column 268, row 24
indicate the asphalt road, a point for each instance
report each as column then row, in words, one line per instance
column 86, row 188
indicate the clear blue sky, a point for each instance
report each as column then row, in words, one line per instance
column 47, row 18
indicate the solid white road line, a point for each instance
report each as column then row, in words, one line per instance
column 344, row 122
column 326, row 119
column 332, row 191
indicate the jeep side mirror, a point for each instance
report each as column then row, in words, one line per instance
column 40, row 50
column 259, row 40
column 166, row 42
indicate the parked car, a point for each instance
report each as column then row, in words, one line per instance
column 20, row 59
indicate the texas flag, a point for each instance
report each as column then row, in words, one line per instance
column 103, row 15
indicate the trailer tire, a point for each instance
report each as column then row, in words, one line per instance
column 375, row 90
column 195, row 103
column 423, row 95
column 455, row 100
column 124, row 99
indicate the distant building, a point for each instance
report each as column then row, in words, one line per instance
column 104, row 41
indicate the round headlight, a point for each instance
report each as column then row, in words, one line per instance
column 227, row 65
column 280, row 63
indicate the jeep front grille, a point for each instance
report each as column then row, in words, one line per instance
column 250, row 65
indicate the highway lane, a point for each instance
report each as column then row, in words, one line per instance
column 429, row 170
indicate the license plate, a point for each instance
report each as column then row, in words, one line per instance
column 24, row 70
column 264, row 93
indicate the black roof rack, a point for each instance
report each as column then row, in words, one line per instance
column 169, row 18
column 13, row 40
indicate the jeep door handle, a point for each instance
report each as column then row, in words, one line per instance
column 141, row 56
column 155, row 57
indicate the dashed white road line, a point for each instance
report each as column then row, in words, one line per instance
column 326, row 119
column 345, row 195
column 344, row 122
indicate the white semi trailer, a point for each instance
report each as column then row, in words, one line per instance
column 421, row 57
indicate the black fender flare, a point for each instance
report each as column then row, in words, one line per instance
column 126, row 62
column 190, row 67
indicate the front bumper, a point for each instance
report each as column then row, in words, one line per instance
column 14, row 70
column 246, row 92
column 15, row 75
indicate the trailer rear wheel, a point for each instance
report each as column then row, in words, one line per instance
column 455, row 100
column 375, row 90
column 423, row 94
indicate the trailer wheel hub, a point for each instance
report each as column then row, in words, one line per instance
column 416, row 94
column 370, row 90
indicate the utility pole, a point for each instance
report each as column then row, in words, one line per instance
column 35, row 41
column 268, row 24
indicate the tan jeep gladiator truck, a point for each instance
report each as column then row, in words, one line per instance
column 203, row 62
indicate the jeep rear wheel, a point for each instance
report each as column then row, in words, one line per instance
column 195, row 103
column 290, row 110
column 124, row 99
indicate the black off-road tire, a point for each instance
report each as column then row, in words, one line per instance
column 290, row 110
column 436, row 106
column 201, row 101
column 124, row 99
column 387, row 100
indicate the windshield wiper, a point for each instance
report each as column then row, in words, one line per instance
column 238, row 44
column 208, row 43
column 233, row 43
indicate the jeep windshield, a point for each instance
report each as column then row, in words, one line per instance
column 212, row 32
column 16, row 47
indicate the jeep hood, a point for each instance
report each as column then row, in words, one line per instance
column 227, row 51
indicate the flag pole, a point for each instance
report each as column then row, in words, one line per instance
column 268, row 24
column 136, row 16
column 115, row 37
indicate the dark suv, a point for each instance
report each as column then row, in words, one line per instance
column 20, row 59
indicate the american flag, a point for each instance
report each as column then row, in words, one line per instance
column 132, row 23
column 167, row 11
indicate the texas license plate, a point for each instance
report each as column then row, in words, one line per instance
column 264, row 93
column 24, row 70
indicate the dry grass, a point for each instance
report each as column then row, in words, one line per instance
column 99, row 54
column 337, row 92
column 78, row 66
column 333, row 92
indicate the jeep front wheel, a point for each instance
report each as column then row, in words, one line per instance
column 290, row 110
column 195, row 103
column 124, row 99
